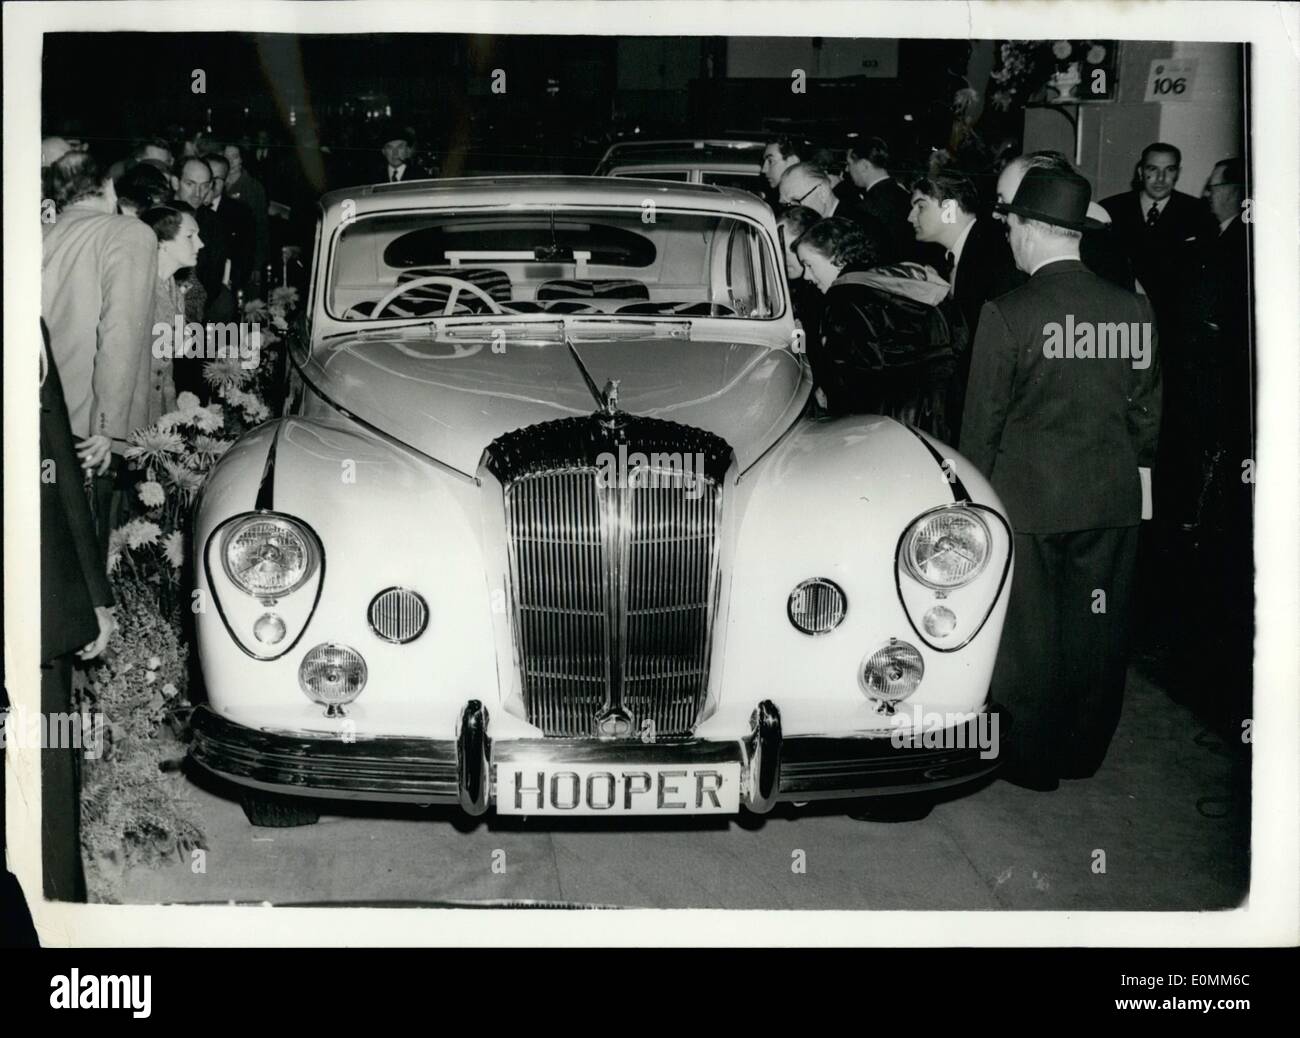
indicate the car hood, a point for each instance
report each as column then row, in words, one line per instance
column 450, row 399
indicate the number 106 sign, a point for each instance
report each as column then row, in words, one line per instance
column 1171, row 80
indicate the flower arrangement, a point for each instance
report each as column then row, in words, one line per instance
column 1031, row 71
column 134, row 808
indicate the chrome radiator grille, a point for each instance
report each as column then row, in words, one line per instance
column 613, row 589
column 558, row 561
column 614, row 582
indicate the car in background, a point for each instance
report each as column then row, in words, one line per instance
column 548, row 527
column 724, row 163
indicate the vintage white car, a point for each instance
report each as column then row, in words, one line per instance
column 547, row 529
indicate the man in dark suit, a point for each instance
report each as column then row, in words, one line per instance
column 233, row 225
column 400, row 164
column 868, row 164
column 1163, row 229
column 1166, row 233
column 1224, row 400
column 980, row 267
column 807, row 184
column 1062, row 413
column 76, row 617
column 242, row 186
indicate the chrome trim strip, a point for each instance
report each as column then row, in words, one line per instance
column 959, row 492
column 265, row 501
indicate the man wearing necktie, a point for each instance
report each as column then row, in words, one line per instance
column 397, row 143
column 945, row 210
column 1166, row 234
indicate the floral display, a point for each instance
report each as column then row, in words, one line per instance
column 1052, row 71
column 134, row 808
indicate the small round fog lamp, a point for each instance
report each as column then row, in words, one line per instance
column 269, row 629
column 939, row 621
column 892, row 672
column 332, row 674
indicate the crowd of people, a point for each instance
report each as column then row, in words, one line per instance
column 937, row 302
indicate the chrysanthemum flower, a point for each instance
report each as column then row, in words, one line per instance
column 210, row 447
column 153, row 444
column 254, row 409
column 174, row 548
column 152, row 493
column 228, row 371
column 209, row 419
column 139, row 532
column 184, row 479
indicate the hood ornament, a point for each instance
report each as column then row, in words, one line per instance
column 609, row 398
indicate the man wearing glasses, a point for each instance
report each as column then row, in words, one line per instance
column 808, row 185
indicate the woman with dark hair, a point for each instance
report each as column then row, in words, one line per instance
column 178, row 248
column 791, row 224
column 886, row 342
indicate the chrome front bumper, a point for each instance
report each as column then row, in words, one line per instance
column 463, row 771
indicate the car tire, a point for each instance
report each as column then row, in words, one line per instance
column 270, row 811
column 892, row 809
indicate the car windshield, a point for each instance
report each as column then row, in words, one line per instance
column 640, row 262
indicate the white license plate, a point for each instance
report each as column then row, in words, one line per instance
column 611, row 789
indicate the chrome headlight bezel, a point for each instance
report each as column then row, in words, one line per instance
column 310, row 551
column 920, row 523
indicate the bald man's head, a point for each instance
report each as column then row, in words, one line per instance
column 807, row 184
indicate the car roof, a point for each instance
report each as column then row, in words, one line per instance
column 686, row 152
column 536, row 190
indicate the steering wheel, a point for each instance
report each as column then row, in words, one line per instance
column 456, row 285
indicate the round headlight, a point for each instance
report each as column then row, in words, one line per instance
column 893, row 672
column 816, row 606
column 947, row 549
column 332, row 674
column 268, row 556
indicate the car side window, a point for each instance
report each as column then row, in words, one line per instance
column 745, row 181
column 749, row 284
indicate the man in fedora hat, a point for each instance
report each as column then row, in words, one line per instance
column 1063, row 409
column 397, row 143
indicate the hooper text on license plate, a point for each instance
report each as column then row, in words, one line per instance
column 639, row 789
